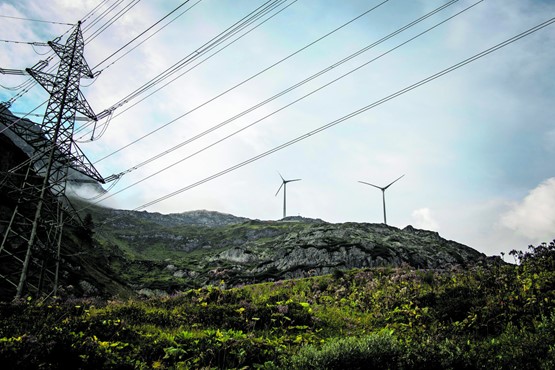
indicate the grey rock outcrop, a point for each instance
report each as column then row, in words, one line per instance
column 208, row 247
column 323, row 248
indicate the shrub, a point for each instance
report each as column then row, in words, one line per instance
column 380, row 350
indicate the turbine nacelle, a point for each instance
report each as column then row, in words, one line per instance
column 284, row 182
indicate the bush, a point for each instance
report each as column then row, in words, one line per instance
column 379, row 350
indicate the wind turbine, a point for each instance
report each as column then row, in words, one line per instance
column 284, row 185
column 383, row 194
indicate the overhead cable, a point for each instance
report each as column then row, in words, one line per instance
column 148, row 29
column 237, row 85
column 270, row 114
column 259, row 12
column 92, row 11
column 35, row 20
column 112, row 20
column 150, row 36
column 289, row 89
column 353, row 114
column 208, row 57
column 106, row 11
column 237, row 27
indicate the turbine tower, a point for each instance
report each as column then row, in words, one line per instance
column 284, row 185
column 383, row 189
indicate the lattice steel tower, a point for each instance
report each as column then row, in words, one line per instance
column 34, row 238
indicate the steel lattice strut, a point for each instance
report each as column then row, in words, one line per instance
column 54, row 152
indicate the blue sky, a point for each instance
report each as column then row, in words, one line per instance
column 476, row 145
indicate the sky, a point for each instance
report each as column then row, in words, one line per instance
column 476, row 146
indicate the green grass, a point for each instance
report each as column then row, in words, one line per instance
column 493, row 316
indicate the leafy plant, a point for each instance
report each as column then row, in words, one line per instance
column 494, row 316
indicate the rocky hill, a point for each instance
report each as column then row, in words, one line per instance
column 191, row 249
column 153, row 251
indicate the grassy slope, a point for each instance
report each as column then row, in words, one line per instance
column 493, row 316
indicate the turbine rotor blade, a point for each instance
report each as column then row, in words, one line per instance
column 293, row 180
column 282, row 179
column 376, row 186
column 279, row 189
column 399, row 178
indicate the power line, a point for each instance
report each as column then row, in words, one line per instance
column 35, row 50
column 214, row 42
column 229, row 32
column 149, row 37
column 353, row 114
column 91, row 13
column 208, row 57
column 280, row 109
column 112, row 20
column 36, row 20
column 148, row 29
column 102, row 15
column 239, row 84
column 299, row 84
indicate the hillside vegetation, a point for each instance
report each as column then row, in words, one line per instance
column 168, row 253
column 493, row 316
column 84, row 267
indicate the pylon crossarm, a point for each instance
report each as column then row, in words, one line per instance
column 83, row 107
column 46, row 80
column 80, row 163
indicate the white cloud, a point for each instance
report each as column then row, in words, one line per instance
column 423, row 219
column 534, row 216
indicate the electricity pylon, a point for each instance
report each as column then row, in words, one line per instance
column 53, row 154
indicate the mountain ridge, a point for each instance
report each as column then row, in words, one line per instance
column 176, row 251
column 195, row 217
